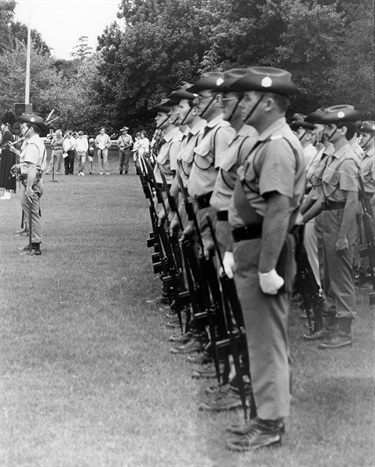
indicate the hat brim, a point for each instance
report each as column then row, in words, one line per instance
column 180, row 94
column 301, row 124
column 352, row 116
column 33, row 120
column 251, row 84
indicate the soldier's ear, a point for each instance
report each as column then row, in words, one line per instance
column 343, row 130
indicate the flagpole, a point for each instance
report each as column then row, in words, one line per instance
column 28, row 54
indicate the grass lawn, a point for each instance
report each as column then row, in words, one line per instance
column 87, row 379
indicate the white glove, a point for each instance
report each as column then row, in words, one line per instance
column 270, row 282
column 228, row 263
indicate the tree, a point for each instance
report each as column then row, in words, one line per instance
column 19, row 33
column 12, row 77
column 6, row 16
column 82, row 50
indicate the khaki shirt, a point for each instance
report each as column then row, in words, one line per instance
column 239, row 148
column 214, row 143
column 125, row 141
column 276, row 164
column 186, row 155
column 33, row 153
column 339, row 174
column 163, row 160
column 368, row 170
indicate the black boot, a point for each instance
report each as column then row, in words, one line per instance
column 342, row 337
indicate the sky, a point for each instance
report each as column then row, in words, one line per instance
column 62, row 22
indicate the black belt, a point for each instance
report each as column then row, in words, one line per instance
column 330, row 205
column 204, row 200
column 222, row 216
column 248, row 232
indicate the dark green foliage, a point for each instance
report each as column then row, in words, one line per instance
column 326, row 45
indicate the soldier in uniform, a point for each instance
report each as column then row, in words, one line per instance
column 367, row 132
column 213, row 145
column 239, row 147
column 263, row 210
column 32, row 164
column 338, row 180
column 165, row 123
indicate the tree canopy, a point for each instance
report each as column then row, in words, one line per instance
column 156, row 45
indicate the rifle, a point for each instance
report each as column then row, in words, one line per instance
column 369, row 249
column 232, row 308
column 208, row 283
column 307, row 284
column 191, row 270
column 158, row 259
column 174, row 279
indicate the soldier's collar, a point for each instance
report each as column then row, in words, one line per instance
column 277, row 125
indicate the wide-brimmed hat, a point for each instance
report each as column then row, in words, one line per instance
column 367, row 127
column 230, row 77
column 316, row 116
column 267, row 79
column 341, row 113
column 124, row 128
column 208, row 81
column 181, row 93
column 164, row 106
column 33, row 120
column 301, row 124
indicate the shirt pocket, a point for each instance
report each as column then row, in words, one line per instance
column 203, row 157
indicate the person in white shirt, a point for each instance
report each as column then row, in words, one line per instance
column 102, row 143
column 82, row 146
column 69, row 147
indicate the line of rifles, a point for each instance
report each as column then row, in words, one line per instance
column 205, row 302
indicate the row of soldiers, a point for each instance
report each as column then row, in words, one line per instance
column 228, row 200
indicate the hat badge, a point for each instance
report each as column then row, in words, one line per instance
column 266, row 82
column 32, row 119
column 219, row 81
column 341, row 114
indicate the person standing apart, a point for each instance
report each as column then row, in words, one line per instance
column 102, row 143
column 69, row 146
column 32, row 161
column 82, row 146
column 125, row 142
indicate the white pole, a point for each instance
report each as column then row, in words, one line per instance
column 28, row 54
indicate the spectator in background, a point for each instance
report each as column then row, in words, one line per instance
column 144, row 145
column 57, row 152
column 91, row 154
column 69, row 147
column 136, row 146
column 125, row 142
column 82, row 146
column 8, row 159
column 103, row 143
